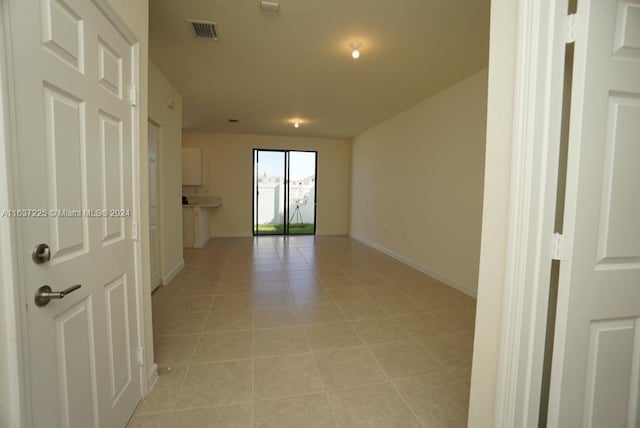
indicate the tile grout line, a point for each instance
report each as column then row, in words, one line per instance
column 431, row 353
column 324, row 386
column 184, row 379
column 252, row 402
column 189, row 363
column 382, row 370
column 331, row 406
column 253, row 370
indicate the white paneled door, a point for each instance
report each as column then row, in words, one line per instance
column 596, row 365
column 73, row 73
column 153, row 133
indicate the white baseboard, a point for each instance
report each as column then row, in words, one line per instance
column 152, row 377
column 466, row 289
column 249, row 235
column 201, row 244
column 173, row 272
column 233, row 235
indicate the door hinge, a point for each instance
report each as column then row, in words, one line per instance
column 141, row 355
column 559, row 250
column 573, row 27
column 133, row 95
column 134, row 230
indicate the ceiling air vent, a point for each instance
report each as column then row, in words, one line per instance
column 205, row 30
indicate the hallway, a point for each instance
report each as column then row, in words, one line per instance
column 307, row 332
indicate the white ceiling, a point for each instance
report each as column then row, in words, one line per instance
column 266, row 70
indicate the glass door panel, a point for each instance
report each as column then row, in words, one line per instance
column 302, row 193
column 269, row 192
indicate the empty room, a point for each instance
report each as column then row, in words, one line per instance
column 338, row 161
column 272, row 213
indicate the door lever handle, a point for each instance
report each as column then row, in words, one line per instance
column 45, row 294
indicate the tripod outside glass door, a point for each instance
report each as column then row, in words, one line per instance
column 284, row 192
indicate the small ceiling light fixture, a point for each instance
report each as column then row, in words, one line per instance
column 356, row 50
column 269, row 7
column 296, row 121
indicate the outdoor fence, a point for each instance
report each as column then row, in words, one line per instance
column 271, row 199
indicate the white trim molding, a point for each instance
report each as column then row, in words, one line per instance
column 152, row 377
column 202, row 243
column 466, row 289
column 232, row 235
column 14, row 398
column 166, row 279
column 534, row 176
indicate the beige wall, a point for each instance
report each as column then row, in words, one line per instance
column 417, row 183
column 228, row 172
column 496, row 207
column 169, row 121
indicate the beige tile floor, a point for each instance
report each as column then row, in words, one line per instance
column 307, row 332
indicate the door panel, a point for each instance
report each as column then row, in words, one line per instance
column 112, row 177
column 78, row 402
column 270, row 192
column 62, row 33
column 65, row 120
column 620, row 202
column 118, row 337
column 74, row 164
column 302, row 193
column 627, row 35
column 596, row 363
column 608, row 380
column 109, row 68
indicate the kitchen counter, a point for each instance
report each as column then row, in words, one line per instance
column 203, row 201
column 195, row 220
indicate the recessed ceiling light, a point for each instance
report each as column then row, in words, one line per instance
column 234, row 120
column 296, row 121
column 269, row 7
column 356, row 50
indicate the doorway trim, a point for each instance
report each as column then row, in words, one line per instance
column 542, row 34
column 287, row 166
column 159, row 202
column 9, row 267
column 19, row 408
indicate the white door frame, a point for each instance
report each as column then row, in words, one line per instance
column 10, row 264
column 159, row 202
column 542, row 32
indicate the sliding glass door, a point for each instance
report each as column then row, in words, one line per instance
column 284, row 192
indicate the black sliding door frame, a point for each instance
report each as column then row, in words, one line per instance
column 255, row 207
